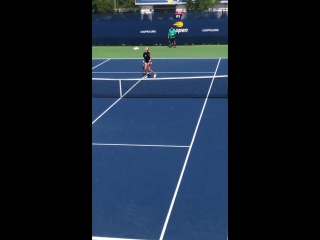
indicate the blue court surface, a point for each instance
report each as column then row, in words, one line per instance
column 160, row 150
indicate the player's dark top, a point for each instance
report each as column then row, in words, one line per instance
column 146, row 56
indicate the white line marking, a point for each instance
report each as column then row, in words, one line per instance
column 187, row 157
column 138, row 145
column 115, row 102
column 109, row 238
column 157, row 79
column 157, row 72
column 101, row 63
column 159, row 58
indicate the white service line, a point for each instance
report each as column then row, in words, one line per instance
column 138, row 145
column 101, row 63
column 187, row 157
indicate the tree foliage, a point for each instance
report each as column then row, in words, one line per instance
column 126, row 4
column 200, row 5
column 103, row 6
column 109, row 6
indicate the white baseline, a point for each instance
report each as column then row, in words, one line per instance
column 157, row 72
column 109, row 238
column 138, row 145
column 159, row 58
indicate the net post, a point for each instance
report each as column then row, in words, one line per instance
column 120, row 87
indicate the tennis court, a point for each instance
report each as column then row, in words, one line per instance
column 159, row 149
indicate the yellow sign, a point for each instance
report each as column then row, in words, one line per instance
column 178, row 24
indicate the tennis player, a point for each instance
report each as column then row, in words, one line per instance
column 147, row 58
column 172, row 37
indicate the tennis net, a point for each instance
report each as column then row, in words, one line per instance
column 176, row 87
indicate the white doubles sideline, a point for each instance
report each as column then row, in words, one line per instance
column 115, row 102
column 187, row 157
column 100, row 64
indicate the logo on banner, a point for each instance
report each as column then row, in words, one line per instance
column 180, row 29
column 210, row 30
column 148, row 31
column 178, row 24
